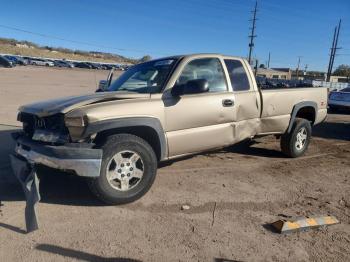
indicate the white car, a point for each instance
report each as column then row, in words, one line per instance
column 339, row 99
column 41, row 62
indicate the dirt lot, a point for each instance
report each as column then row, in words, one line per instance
column 27, row 84
column 232, row 193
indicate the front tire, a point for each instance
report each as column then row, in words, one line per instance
column 128, row 170
column 295, row 143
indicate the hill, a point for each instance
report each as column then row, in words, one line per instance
column 26, row 48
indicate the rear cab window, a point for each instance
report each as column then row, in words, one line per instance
column 238, row 75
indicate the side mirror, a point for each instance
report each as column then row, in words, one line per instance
column 195, row 86
column 104, row 84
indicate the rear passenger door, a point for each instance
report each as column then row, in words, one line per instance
column 246, row 110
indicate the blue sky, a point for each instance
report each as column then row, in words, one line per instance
column 287, row 29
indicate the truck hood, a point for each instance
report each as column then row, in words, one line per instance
column 66, row 104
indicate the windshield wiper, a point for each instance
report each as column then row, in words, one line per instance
column 125, row 89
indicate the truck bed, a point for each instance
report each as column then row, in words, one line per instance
column 277, row 105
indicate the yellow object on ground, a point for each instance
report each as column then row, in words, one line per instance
column 285, row 226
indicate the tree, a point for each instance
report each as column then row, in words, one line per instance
column 145, row 58
column 342, row 70
column 262, row 66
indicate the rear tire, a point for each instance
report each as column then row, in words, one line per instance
column 128, row 170
column 295, row 143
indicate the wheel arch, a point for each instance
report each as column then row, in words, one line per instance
column 306, row 110
column 147, row 128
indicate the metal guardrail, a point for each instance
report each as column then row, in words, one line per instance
column 331, row 85
column 271, row 83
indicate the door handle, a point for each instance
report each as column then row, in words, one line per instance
column 227, row 102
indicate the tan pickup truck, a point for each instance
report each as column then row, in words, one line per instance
column 159, row 110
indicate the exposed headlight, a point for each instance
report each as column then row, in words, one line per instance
column 76, row 121
column 19, row 117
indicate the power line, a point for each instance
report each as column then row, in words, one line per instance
column 69, row 40
column 252, row 35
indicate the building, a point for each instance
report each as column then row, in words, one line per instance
column 308, row 75
column 275, row 73
column 340, row 79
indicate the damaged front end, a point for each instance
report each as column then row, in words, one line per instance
column 48, row 129
column 46, row 141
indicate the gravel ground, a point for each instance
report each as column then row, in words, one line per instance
column 27, row 84
column 232, row 194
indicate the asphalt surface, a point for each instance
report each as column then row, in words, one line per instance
column 233, row 195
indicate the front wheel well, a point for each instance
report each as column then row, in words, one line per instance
column 145, row 132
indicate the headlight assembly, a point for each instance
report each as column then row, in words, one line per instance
column 76, row 121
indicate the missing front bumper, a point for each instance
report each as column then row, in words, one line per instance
column 83, row 161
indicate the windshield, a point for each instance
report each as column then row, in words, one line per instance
column 148, row 77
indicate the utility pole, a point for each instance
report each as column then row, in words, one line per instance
column 335, row 48
column 297, row 71
column 252, row 34
column 331, row 56
column 333, row 51
column 268, row 63
column 256, row 67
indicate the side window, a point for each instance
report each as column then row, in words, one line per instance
column 238, row 75
column 209, row 69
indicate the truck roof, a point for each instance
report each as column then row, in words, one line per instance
column 198, row 55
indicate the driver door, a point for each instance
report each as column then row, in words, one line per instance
column 197, row 122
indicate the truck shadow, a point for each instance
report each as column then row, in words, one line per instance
column 80, row 255
column 333, row 130
column 247, row 148
column 76, row 254
column 55, row 188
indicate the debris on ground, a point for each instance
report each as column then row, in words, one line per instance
column 185, row 207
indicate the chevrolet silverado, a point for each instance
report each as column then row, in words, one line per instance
column 160, row 110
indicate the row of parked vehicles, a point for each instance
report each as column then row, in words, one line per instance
column 271, row 83
column 14, row 60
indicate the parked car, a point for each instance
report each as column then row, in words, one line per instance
column 26, row 59
column 105, row 67
column 108, row 67
column 4, row 62
column 15, row 60
column 41, row 62
column 83, row 65
column 61, row 63
column 339, row 99
column 94, row 65
column 160, row 110
column 21, row 60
